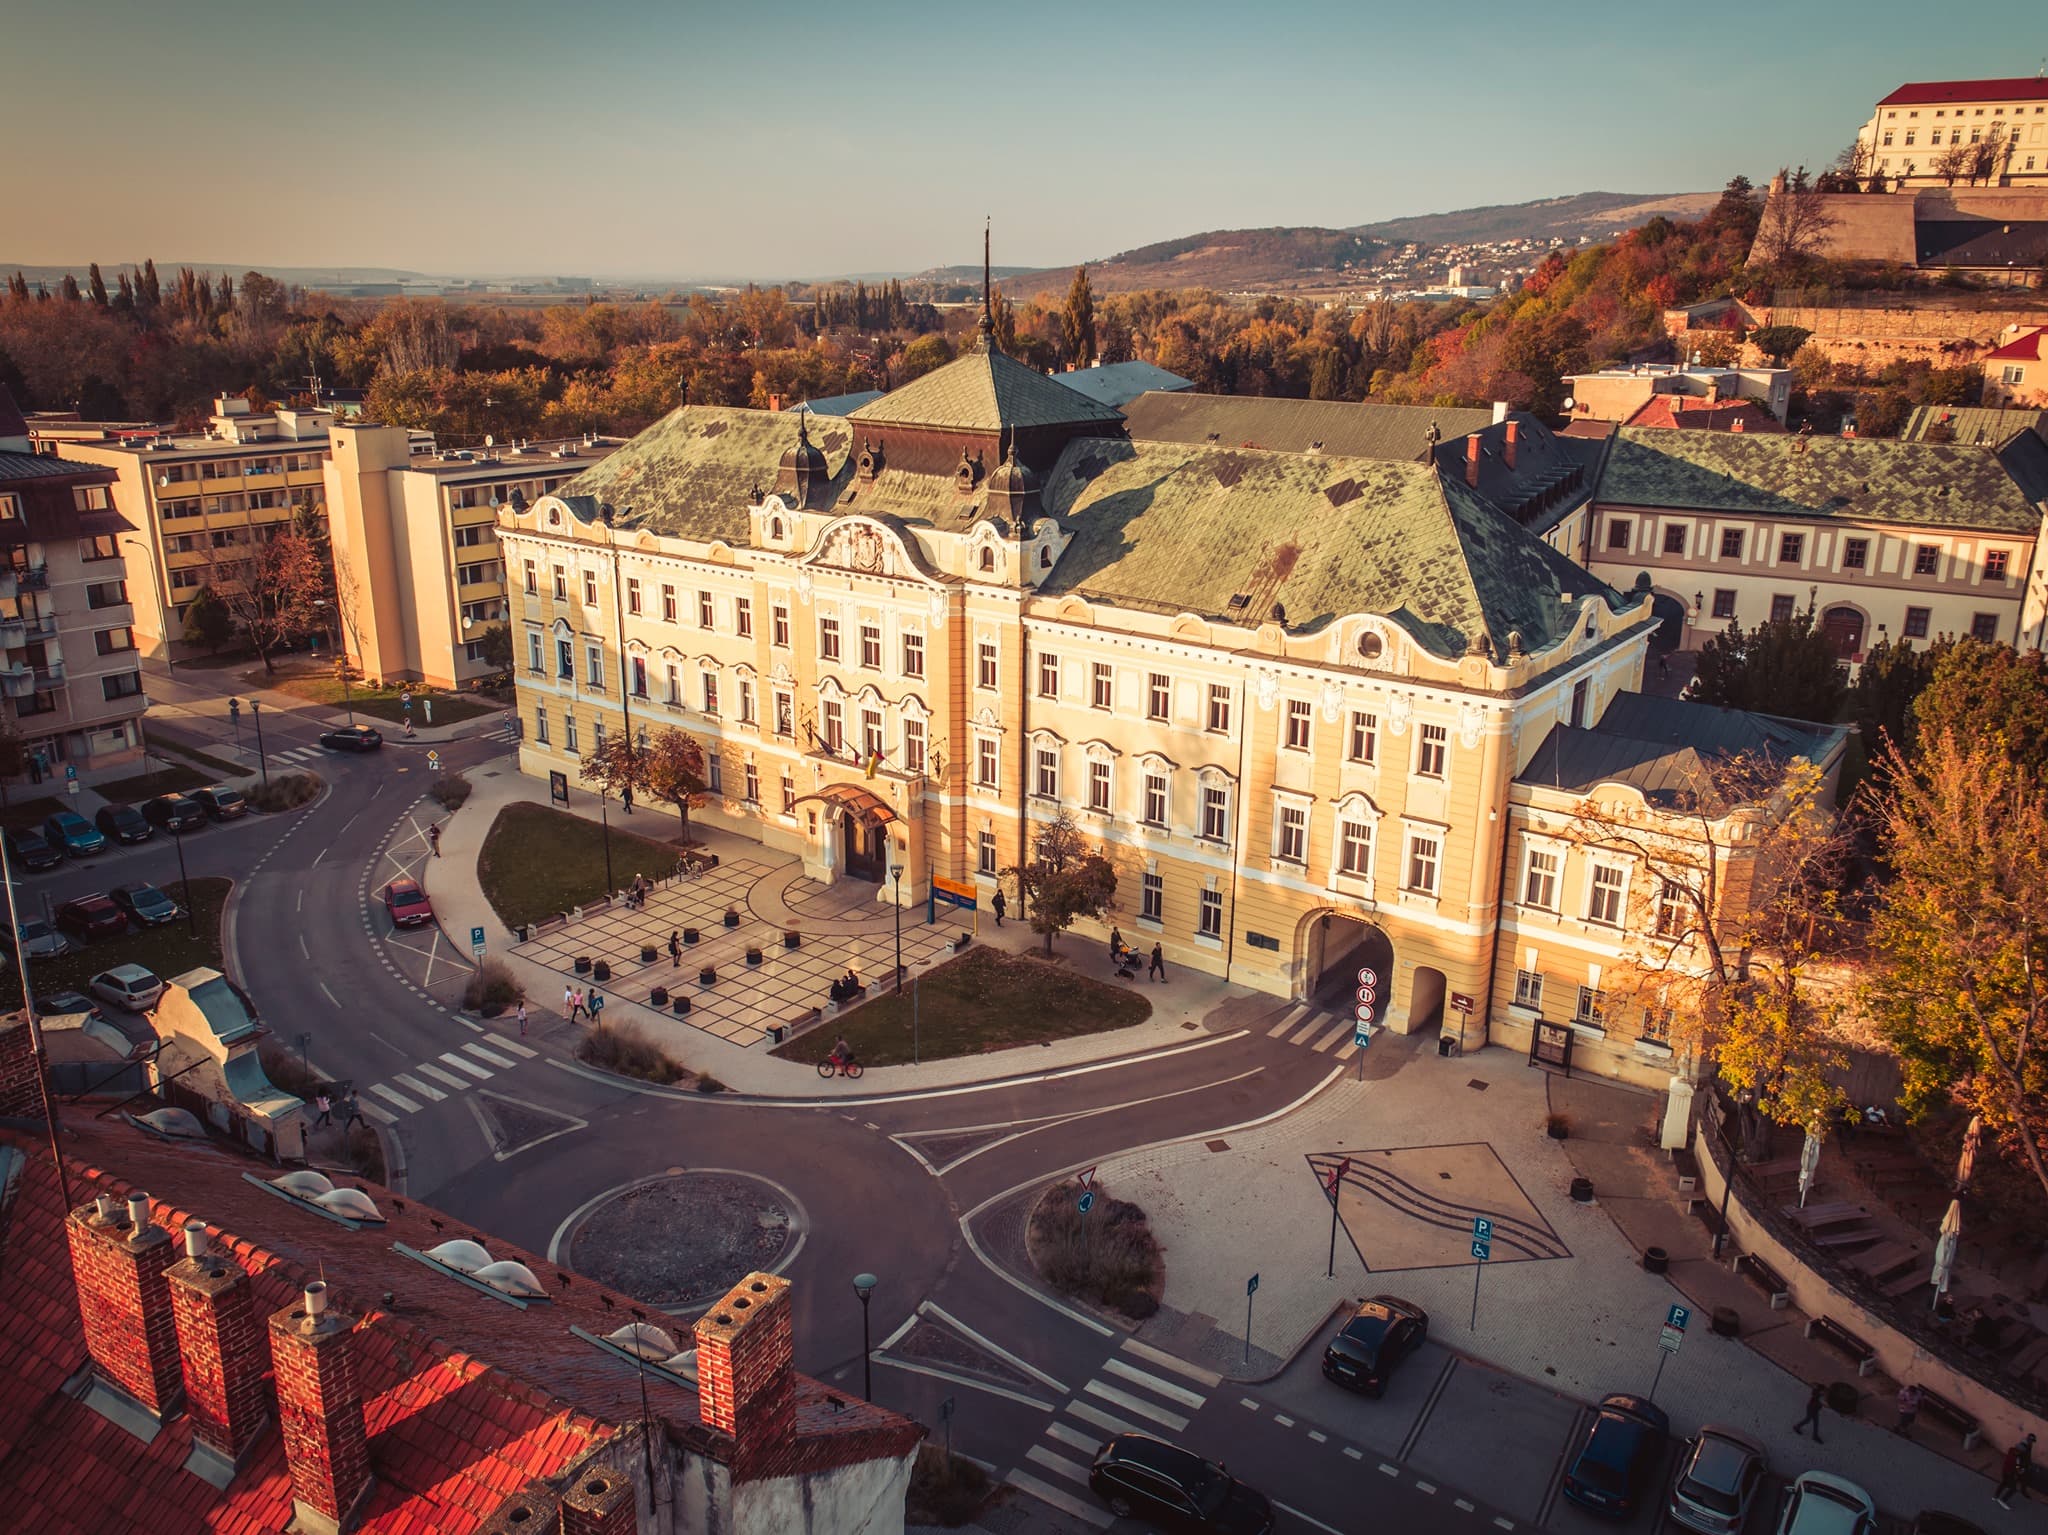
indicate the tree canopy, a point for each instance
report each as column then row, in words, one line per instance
column 1065, row 879
column 1783, row 666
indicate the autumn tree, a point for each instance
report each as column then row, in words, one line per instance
column 1989, row 695
column 1795, row 225
column 922, row 356
column 1065, row 880
column 96, row 286
column 274, row 592
column 1778, row 342
column 1077, row 322
column 617, row 765
column 675, row 772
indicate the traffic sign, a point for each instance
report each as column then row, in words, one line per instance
column 1085, row 1177
column 1669, row 1338
column 595, row 1003
column 1367, row 976
column 1483, row 1251
column 1362, row 1035
column 1677, row 1317
column 1251, row 1286
column 1087, row 1201
column 434, row 760
column 1368, row 994
column 1482, row 1229
column 476, row 942
column 1362, row 1012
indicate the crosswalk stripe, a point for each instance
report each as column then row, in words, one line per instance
column 1315, row 1022
column 1108, row 1422
column 515, row 1047
column 1136, row 1404
column 1350, row 1049
column 489, row 1055
column 1164, row 1360
column 1073, row 1436
column 1039, row 1455
column 371, row 1111
column 462, row 1062
column 1287, row 1021
column 1339, row 1030
column 399, row 1099
column 1152, row 1383
column 431, row 1094
column 447, row 1078
column 1060, row 1499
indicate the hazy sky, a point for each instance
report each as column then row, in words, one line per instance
column 800, row 139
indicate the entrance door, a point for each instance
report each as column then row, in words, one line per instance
column 864, row 848
column 1843, row 627
column 1426, row 1001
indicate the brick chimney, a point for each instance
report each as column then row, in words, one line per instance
column 1714, row 391
column 600, row 1502
column 528, row 1512
column 1735, row 425
column 221, row 1345
column 746, row 1369
column 120, row 1262
column 1514, row 437
column 320, row 1409
column 1472, row 460
column 21, row 1095
column 775, row 402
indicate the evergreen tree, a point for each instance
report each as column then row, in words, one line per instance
column 69, row 289
column 1787, row 667
column 124, row 295
column 1005, row 324
column 1077, row 322
column 148, row 292
column 96, row 285
column 17, row 287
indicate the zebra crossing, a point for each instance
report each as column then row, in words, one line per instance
column 1318, row 1028
column 301, row 754
column 453, row 1071
column 1127, row 1396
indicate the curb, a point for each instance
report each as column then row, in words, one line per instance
column 1337, row 1307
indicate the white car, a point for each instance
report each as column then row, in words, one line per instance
column 129, row 986
column 1819, row 1504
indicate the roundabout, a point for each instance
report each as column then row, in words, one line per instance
column 681, row 1239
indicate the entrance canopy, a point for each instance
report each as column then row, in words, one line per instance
column 867, row 808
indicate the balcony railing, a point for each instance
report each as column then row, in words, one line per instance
column 32, row 578
column 50, row 676
column 17, row 682
column 13, row 633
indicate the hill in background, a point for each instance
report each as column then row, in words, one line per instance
column 1594, row 214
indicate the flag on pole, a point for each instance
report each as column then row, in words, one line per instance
column 874, row 761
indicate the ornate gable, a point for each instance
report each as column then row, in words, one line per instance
column 868, row 548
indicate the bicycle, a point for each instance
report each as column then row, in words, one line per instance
column 831, row 1068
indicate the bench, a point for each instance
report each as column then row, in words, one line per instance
column 1765, row 1278
column 1848, row 1237
column 549, row 924
column 1825, row 1330
column 1947, row 1412
column 1687, row 1166
column 1707, row 1216
column 1886, row 1261
column 592, row 908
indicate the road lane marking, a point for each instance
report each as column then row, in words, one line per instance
column 1349, row 1050
column 399, row 1099
column 1317, row 1436
column 1060, row 1499
column 1248, row 1403
column 1192, row 1400
column 1287, row 1021
column 932, row 1308
column 1295, row 1513
column 1136, row 1404
column 1506, row 1524
column 955, row 1377
column 330, row 995
column 445, row 1078
column 490, row 1055
column 1354, row 1454
column 1108, row 1422
column 1164, row 1360
column 462, row 1062
column 515, row 1048
column 316, row 859
column 1341, row 1030
column 371, row 1111
column 302, row 946
column 1428, row 1487
column 1039, row 1455
column 1316, row 1024
column 1387, row 1470
column 431, row 1094
column 1073, row 1436
column 1461, row 1505
column 1283, row 1420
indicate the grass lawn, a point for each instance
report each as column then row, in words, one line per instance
column 377, row 703
column 170, row 779
column 537, row 861
column 987, row 999
column 169, row 950
column 220, row 767
column 32, row 812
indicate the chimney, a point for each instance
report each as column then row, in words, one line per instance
column 1713, row 391
column 221, row 1344
column 320, row 1409
column 1472, row 460
column 1514, row 435
column 526, row 1513
column 775, row 402
column 124, row 1302
column 600, row 1502
column 746, row 1368
column 21, row 1095
column 1735, row 425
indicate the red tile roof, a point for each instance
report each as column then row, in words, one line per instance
column 1937, row 92
column 1695, row 413
column 2032, row 346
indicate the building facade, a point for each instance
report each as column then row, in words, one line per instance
column 70, row 674
column 418, row 572
column 1913, row 128
column 2016, row 373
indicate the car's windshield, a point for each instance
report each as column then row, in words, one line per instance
column 149, row 895
column 35, row 928
column 1714, row 1498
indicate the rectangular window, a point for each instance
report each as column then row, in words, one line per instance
column 1215, row 813
column 871, row 647
column 788, row 793
column 1673, row 910
column 1529, row 989
column 870, row 733
column 1731, row 543
column 985, row 775
column 1212, row 914
column 632, row 594
column 1048, row 676
column 707, row 614
column 913, row 655
column 1724, row 602
column 1657, row 1026
column 1219, row 706
column 785, row 714
column 569, row 730
column 1619, row 531
column 778, row 626
column 668, row 604
column 593, row 666
column 1781, row 609
column 1539, row 885
column 985, row 664
column 750, row 788
column 828, row 638
column 1158, row 696
column 1293, row 845
column 1046, row 780
column 714, row 772
column 121, row 685
column 540, row 723
column 1299, row 724
column 1995, row 564
column 1425, row 854
column 561, row 584
column 1790, row 547
column 102, row 547
column 1365, row 736
column 1152, row 898
column 1431, row 744
column 1354, row 849
column 565, row 660
column 710, row 692
column 743, row 619
column 1581, row 693
column 106, row 594
column 532, row 578
column 1155, row 799
column 1674, row 538
column 1984, row 627
column 590, row 588
column 639, row 676
column 1926, row 559
column 1098, row 786
column 1855, row 553
column 1101, row 686
column 1592, row 1007
column 913, row 746
column 1916, row 623
column 985, row 852
column 746, row 697
column 833, row 714
column 533, row 660
column 1603, row 900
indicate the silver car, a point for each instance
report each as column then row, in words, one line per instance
column 1719, row 1477
column 39, row 940
column 129, row 986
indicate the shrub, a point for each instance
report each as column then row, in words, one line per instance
column 286, row 791
column 450, row 790
column 710, row 1084
column 946, row 1490
column 366, row 1153
column 625, row 1050
column 1116, row 1263
column 492, row 988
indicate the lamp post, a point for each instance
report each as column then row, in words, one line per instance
column 864, row 1286
column 184, row 879
column 262, row 762
column 896, row 873
column 604, row 816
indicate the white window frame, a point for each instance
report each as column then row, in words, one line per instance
column 1596, row 890
column 1101, row 785
column 1363, row 730
column 988, row 765
column 1428, row 734
column 1298, row 725
column 1290, row 831
column 1554, row 875
column 1435, row 835
column 1340, row 854
column 1528, row 990
column 1159, row 791
column 1217, row 797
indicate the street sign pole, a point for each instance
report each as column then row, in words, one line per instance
column 1362, row 1013
column 1336, row 1183
column 1251, row 1288
column 1663, row 1358
column 1477, row 1265
column 1668, row 1341
column 1482, row 1252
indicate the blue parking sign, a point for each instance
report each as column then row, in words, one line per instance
column 1677, row 1317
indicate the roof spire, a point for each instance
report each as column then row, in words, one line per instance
column 985, row 327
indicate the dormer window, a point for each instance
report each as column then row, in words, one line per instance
column 988, row 559
column 775, row 528
column 1045, row 557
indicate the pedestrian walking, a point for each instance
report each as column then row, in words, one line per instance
column 675, row 948
column 1001, row 906
column 1157, row 969
column 569, row 1001
column 349, row 1113
column 2013, row 1471
column 575, row 1003
column 326, row 1109
column 626, row 798
column 522, row 1017
column 1909, row 1406
column 1664, row 667
column 434, row 838
column 1815, row 1400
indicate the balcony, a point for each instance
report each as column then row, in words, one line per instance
column 13, row 633
column 17, row 682
column 32, row 578
column 50, row 676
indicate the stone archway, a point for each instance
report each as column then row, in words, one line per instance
column 1334, row 947
column 1671, row 615
column 1844, row 626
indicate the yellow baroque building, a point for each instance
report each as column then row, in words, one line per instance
column 1289, row 691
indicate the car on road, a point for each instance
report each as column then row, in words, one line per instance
column 124, row 823
column 149, row 906
column 1137, row 1475
column 92, row 916
column 1610, row 1468
column 220, row 802
column 64, row 1004
column 1720, row 1474
column 1381, row 1333
column 407, row 903
column 174, row 812
column 28, row 850
column 352, row 738
column 129, row 986
column 39, row 940
column 72, row 833
column 1819, row 1504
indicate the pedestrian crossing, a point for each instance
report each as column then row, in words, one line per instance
column 301, row 754
column 1131, row 1394
column 428, row 1082
column 1318, row 1028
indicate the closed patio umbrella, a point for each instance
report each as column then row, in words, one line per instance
column 1809, row 1165
column 1966, row 1164
column 1945, row 1247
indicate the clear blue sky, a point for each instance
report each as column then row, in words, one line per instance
column 787, row 138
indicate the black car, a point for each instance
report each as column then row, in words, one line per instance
column 174, row 812
column 1615, row 1461
column 28, row 849
column 149, row 906
column 355, row 738
column 221, row 803
column 1381, row 1333
column 124, row 823
column 59, row 1004
column 1136, row 1474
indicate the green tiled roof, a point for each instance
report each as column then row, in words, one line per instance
column 1365, row 429
column 1177, row 526
column 984, row 391
column 693, row 473
column 1867, row 479
column 1982, row 425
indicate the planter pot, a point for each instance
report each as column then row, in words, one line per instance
column 732, row 919
column 1727, row 1322
column 1655, row 1260
column 691, row 935
column 962, row 942
column 646, row 953
column 1558, row 1132
column 707, row 976
column 1582, row 1191
column 680, row 1006
column 753, row 956
column 522, row 931
column 583, row 964
column 601, row 971
column 792, row 940
column 658, row 997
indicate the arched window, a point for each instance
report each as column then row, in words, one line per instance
column 775, row 527
column 1045, row 557
column 988, row 559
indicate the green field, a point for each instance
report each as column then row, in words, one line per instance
column 537, row 861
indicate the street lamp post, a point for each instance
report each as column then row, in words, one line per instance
column 262, row 762
column 604, row 816
column 896, row 873
column 184, row 879
column 864, row 1286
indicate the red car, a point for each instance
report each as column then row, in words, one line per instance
column 92, row 916
column 407, row 903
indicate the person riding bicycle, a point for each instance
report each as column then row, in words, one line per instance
column 842, row 1053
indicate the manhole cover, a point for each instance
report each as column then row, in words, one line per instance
column 685, row 1237
column 1217, row 1145
column 1477, row 1086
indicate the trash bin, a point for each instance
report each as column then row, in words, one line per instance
column 775, row 1032
column 1443, row 1044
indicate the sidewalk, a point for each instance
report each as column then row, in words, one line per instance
column 1178, row 1006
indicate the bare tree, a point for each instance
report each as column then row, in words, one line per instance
column 1956, row 162
column 1795, row 225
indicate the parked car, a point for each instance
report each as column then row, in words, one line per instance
column 1381, row 1333
column 407, row 903
column 72, row 833
column 1932, row 1521
column 1719, row 1477
column 352, row 738
column 149, row 906
column 63, row 1004
column 220, row 802
column 129, row 986
column 26, row 849
column 1819, row 1504
column 1611, row 1468
column 174, row 812
column 1136, row 1474
column 92, row 916
column 39, row 940
column 124, row 823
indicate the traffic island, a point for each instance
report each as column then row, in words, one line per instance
column 682, row 1239
column 1097, row 1249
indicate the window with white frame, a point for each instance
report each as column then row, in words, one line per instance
column 746, row 700
column 711, row 692
column 1212, row 914
column 707, row 614
column 1529, row 989
column 1101, row 686
column 1539, row 883
column 985, row 852
column 871, row 732
column 986, row 773
column 532, row 578
column 1432, row 743
column 597, row 730
column 1155, row 799
column 533, row 650
column 985, row 664
column 590, row 588
column 1048, row 676
column 913, row 746
column 788, row 793
column 714, row 769
column 785, row 713
column 1152, row 898
column 675, row 684
column 1215, row 813
column 1592, row 1007
column 565, row 660
column 833, row 714
column 778, row 626
column 1158, row 696
column 569, row 730
column 1424, row 864
column 1300, row 724
column 561, row 584
column 639, row 673
column 593, row 657
column 1604, row 894
column 1657, row 1026
column 632, row 594
column 828, row 637
column 1365, row 737
column 1045, row 783
column 1098, row 786
column 743, row 621
column 668, row 604
column 1290, row 838
column 750, row 790
column 1673, row 909
column 913, row 653
column 1354, row 848
column 871, row 647
column 540, row 723
column 1219, row 706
